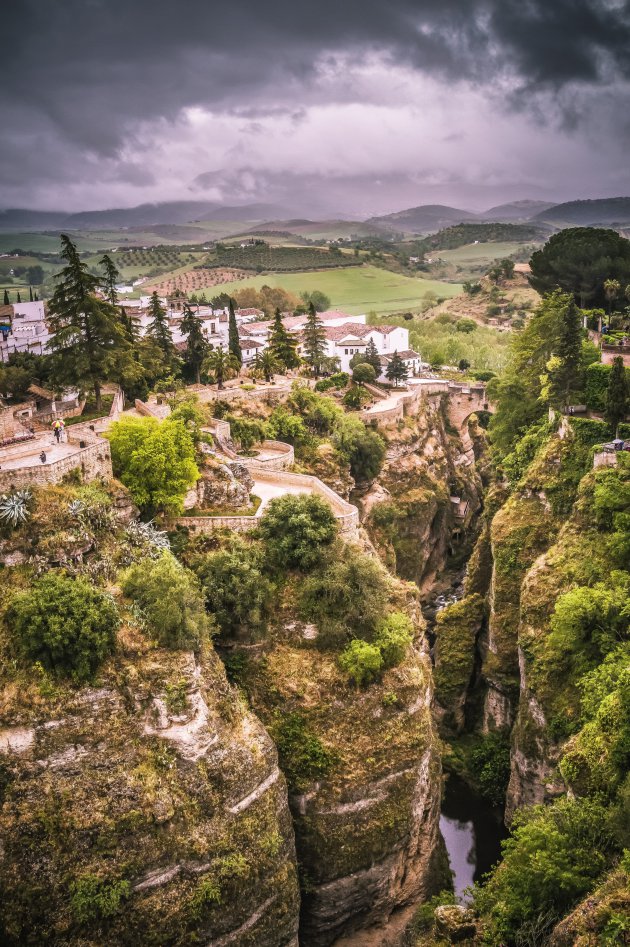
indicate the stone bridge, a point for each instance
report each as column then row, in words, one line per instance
column 462, row 402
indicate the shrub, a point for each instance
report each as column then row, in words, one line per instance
column 296, row 530
column 552, row 858
column 303, row 757
column 93, row 899
column 355, row 398
column 170, row 600
column 393, row 637
column 466, row 325
column 364, row 374
column 337, row 381
column 360, row 447
column 237, row 594
column 362, row 662
column 287, row 427
column 489, row 764
column 65, row 624
column 348, row 598
column 247, row 433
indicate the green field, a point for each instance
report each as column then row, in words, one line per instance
column 476, row 253
column 355, row 289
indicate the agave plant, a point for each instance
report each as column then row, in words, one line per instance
column 13, row 507
column 76, row 508
column 141, row 534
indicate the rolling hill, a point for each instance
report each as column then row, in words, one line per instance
column 428, row 218
column 608, row 211
column 516, row 211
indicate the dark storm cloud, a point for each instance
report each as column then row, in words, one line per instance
column 85, row 72
column 92, row 64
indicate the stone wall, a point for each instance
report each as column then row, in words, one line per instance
column 93, row 461
column 285, row 457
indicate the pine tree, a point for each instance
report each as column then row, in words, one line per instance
column 86, row 333
column 564, row 378
column 314, row 340
column 112, row 275
column 196, row 345
column 7, row 301
column 234, row 345
column 283, row 344
column 158, row 331
column 617, row 396
column 372, row 357
column 396, row 370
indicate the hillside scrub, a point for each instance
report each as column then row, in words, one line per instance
column 169, row 601
column 296, row 530
column 64, row 624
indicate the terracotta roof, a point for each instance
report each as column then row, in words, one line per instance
column 248, row 312
column 357, row 331
column 406, row 354
column 250, row 344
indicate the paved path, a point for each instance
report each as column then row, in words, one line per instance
column 30, row 458
column 268, row 491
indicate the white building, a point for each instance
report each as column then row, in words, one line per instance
column 24, row 329
column 349, row 339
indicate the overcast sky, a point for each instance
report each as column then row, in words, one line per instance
column 350, row 106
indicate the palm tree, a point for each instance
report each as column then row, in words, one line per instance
column 268, row 363
column 221, row 365
column 612, row 288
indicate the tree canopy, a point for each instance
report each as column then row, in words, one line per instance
column 155, row 460
column 580, row 260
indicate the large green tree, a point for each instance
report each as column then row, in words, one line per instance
column 283, row 344
column 234, row 344
column 196, row 344
column 617, row 396
column 564, row 377
column 155, row 460
column 314, row 340
column 86, row 330
column 580, row 260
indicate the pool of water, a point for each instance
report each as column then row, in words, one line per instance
column 472, row 830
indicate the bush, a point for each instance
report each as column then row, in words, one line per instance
column 466, row 325
column 360, row 447
column 170, row 600
column 362, row 662
column 237, row 594
column 364, row 374
column 247, row 433
column 489, row 764
column 552, row 858
column 296, row 530
column 348, row 598
column 338, row 380
column 355, row 398
column 284, row 426
column 303, row 757
column 393, row 637
column 66, row 624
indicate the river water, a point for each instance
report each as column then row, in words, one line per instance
column 472, row 830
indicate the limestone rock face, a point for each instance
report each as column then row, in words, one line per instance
column 367, row 827
column 408, row 511
column 221, row 485
column 148, row 809
column 455, row 923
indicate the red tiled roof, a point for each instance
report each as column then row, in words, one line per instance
column 250, row 344
column 406, row 354
column 337, row 333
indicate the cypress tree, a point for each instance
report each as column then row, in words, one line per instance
column 7, row 301
column 196, row 345
column 112, row 275
column 86, row 334
column 19, row 298
column 314, row 340
column 617, row 397
column 159, row 331
column 234, row 345
column 565, row 377
column 396, row 370
column 283, row 344
column 30, row 293
column 372, row 357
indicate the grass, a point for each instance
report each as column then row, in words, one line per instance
column 355, row 290
column 477, row 253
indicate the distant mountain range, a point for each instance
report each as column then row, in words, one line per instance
column 422, row 220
